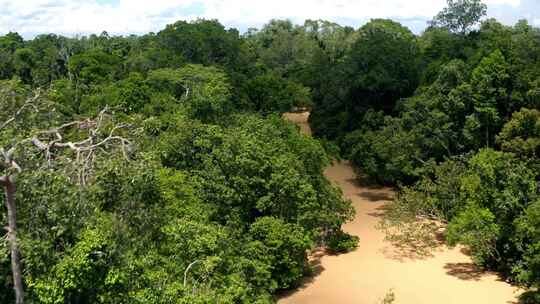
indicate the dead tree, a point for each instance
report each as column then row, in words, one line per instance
column 8, row 184
column 51, row 143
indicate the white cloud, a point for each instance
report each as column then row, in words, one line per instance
column 501, row 2
column 79, row 16
column 138, row 16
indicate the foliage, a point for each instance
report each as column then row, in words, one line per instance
column 460, row 15
column 258, row 168
column 222, row 204
column 342, row 242
column 489, row 81
column 475, row 227
column 213, row 206
column 521, row 134
column 93, row 67
column 383, row 62
column 528, row 237
column 487, row 200
column 379, row 68
column 271, row 93
column 207, row 92
column 285, row 245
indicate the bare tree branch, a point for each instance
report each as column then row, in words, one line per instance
column 50, row 140
column 3, row 180
column 9, row 163
column 28, row 103
column 187, row 270
column 46, row 142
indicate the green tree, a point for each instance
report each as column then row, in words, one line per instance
column 93, row 67
column 460, row 15
column 485, row 198
column 383, row 63
column 258, row 168
column 476, row 228
column 133, row 93
column 26, row 113
column 521, row 134
column 201, row 41
column 207, row 91
column 9, row 43
column 528, row 238
column 380, row 67
column 285, row 245
column 490, row 94
column 24, row 60
column 271, row 93
column 51, row 62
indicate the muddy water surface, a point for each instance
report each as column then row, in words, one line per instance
column 364, row 276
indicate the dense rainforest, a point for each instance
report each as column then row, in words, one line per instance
column 157, row 168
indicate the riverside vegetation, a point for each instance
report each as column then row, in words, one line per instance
column 157, row 168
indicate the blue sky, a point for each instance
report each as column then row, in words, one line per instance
column 79, row 17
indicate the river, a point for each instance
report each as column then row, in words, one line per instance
column 364, row 276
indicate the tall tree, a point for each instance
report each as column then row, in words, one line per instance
column 460, row 15
column 490, row 93
column 8, row 45
column 383, row 66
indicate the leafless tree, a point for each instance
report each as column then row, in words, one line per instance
column 50, row 143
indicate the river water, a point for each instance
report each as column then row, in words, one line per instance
column 364, row 276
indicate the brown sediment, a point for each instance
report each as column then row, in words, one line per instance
column 300, row 119
column 446, row 276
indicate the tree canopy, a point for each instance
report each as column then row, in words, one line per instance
column 157, row 168
column 460, row 15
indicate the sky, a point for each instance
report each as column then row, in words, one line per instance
column 124, row 17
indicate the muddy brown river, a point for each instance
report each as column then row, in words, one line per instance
column 364, row 276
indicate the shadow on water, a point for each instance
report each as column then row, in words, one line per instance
column 380, row 212
column 464, row 271
column 405, row 253
column 376, row 196
column 414, row 241
column 365, row 182
column 470, row 272
column 315, row 263
column 465, row 251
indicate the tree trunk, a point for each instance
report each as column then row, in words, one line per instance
column 487, row 136
column 9, row 188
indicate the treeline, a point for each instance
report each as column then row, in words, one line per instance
column 157, row 169
column 87, row 71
